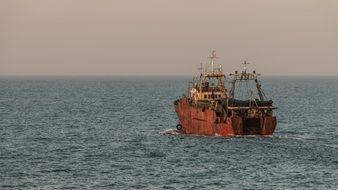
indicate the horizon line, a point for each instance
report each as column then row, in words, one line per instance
column 107, row 76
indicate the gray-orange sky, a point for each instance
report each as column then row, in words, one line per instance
column 167, row 37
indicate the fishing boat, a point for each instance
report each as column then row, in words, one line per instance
column 208, row 108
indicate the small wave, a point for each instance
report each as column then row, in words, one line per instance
column 174, row 131
column 331, row 146
column 171, row 132
column 56, row 171
column 247, row 136
column 177, row 132
column 156, row 154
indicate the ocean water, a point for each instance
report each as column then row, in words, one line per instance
column 118, row 133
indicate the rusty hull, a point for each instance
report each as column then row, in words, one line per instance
column 203, row 121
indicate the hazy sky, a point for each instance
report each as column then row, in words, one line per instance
column 167, row 37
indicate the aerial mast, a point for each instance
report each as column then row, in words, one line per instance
column 245, row 66
column 213, row 60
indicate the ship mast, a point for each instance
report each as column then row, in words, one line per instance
column 245, row 66
column 213, row 60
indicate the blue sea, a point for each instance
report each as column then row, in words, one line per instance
column 119, row 133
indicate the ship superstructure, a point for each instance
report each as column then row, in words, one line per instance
column 211, row 83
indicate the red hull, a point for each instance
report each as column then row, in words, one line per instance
column 203, row 121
